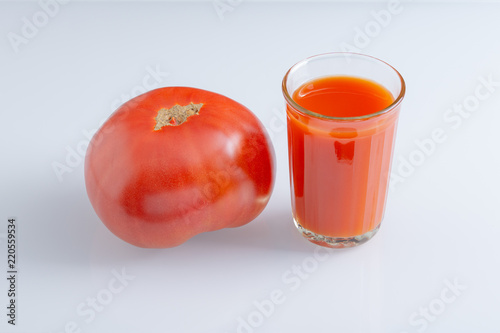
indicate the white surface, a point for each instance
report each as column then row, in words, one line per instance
column 442, row 223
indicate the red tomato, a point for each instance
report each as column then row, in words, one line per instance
column 159, row 187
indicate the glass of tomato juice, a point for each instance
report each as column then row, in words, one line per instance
column 342, row 113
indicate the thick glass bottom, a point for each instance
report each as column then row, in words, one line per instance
column 336, row 242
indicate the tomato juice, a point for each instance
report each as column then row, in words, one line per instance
column 340, row 140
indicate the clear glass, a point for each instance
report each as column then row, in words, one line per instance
column 340, row 166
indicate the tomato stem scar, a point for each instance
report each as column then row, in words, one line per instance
column 176, row 115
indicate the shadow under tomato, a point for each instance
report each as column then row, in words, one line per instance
column 271, row 231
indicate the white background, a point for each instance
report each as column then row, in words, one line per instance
column 442, row 221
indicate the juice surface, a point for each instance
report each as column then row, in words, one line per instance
column 339, row 179
column 343, row 96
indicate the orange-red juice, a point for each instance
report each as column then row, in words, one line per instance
column 339, row 168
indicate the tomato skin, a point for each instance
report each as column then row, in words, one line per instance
column 157, row 189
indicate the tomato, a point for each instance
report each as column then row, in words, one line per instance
column 156, row 187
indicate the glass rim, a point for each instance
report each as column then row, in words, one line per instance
column 387, row 109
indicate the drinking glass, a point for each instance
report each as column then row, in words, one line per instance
column 340, row 165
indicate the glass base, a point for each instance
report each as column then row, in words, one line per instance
column 336, row 242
